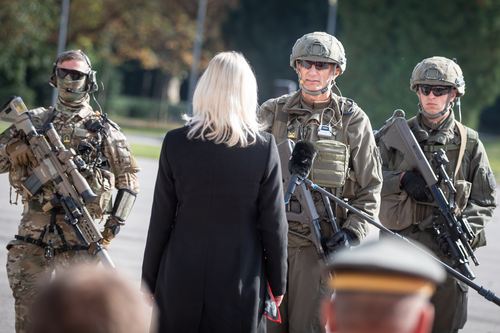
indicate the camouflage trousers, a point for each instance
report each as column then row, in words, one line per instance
column 28, row 269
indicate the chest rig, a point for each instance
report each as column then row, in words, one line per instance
column 87, row 136
column 326, row 129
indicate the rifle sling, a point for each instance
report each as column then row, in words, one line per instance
column 52, row 225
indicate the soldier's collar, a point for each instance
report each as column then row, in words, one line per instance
column 316, row 105
column 69, row 110
column 297, row 105
column 441, row 135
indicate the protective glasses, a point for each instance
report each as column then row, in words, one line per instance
column 73, row 74
column 307, row 64
column 436, row 90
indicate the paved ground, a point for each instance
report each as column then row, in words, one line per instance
column 127, row 251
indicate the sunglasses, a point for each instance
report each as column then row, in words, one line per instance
column 318, row 64
column 73, row 74
column 436, row 90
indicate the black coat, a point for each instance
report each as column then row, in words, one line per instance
column 214, row 211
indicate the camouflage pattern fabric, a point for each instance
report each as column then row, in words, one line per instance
column 27, row 268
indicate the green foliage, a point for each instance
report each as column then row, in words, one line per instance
column 144, row 108
column 384, row 40
column 140, row 150
column 28, row 46
column 265, row 31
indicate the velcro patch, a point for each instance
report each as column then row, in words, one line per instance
column 492, row 181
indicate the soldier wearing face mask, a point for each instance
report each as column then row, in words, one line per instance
column 45, row 242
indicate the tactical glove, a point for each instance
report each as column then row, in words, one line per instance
column 20, row 153
column 414, row 184
column 344, row 238
column 109, row 232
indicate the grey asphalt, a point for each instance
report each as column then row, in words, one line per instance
column 127, row 251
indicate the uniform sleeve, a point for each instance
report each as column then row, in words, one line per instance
column 5, row 138
column 162, row 220
column 483, row 197
column 366, row 167
column 122, row 162
column 266, row 114
column 272, row 222
column 390, row 177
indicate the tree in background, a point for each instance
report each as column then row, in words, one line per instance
column 265, row 31
column 384, row 40
column 27, row 44
column 158, row 34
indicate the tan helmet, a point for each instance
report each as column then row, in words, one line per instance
column 438, row 71
column 318, row 46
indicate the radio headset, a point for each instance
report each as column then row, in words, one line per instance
column 92, row 85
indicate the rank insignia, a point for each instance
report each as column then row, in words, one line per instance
column 292, row 132
column 66, row 138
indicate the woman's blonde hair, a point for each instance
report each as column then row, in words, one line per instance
column 225, row 103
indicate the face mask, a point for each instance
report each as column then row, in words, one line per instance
column 74, row 85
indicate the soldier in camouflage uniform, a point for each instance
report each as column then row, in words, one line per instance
column 438, row 82
column 315, row 113
column 110, row 164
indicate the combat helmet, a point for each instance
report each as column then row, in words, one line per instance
column 318, row 46
column 438, row 71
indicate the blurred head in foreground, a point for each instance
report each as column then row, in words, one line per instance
column 87, row 300
column 382, row 287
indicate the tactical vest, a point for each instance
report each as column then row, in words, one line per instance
column 331, row 165
column 101, row 182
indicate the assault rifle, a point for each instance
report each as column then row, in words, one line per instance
column 453, row 234
column 303, row 188
column 308, row 215
column 55, row 164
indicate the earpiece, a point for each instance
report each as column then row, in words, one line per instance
column 91, row 83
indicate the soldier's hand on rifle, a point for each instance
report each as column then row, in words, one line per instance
column 20, row 153
column 344, row 238
column 414, row 184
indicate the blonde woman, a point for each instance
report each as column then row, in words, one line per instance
column 218, row 203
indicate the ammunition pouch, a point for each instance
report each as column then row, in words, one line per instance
column 463, row 189
column 102, row 185
column 331, row 166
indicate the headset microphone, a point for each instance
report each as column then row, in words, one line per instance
column 78, row 92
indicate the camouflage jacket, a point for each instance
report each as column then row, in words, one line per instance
column 118, row 169
column 474, row 171
column 364, row 182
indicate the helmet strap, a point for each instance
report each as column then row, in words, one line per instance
column 447, row 107
column 329, row 85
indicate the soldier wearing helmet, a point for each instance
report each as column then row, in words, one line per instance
column 45, row 242
column 438, row 82
column 317, row 114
